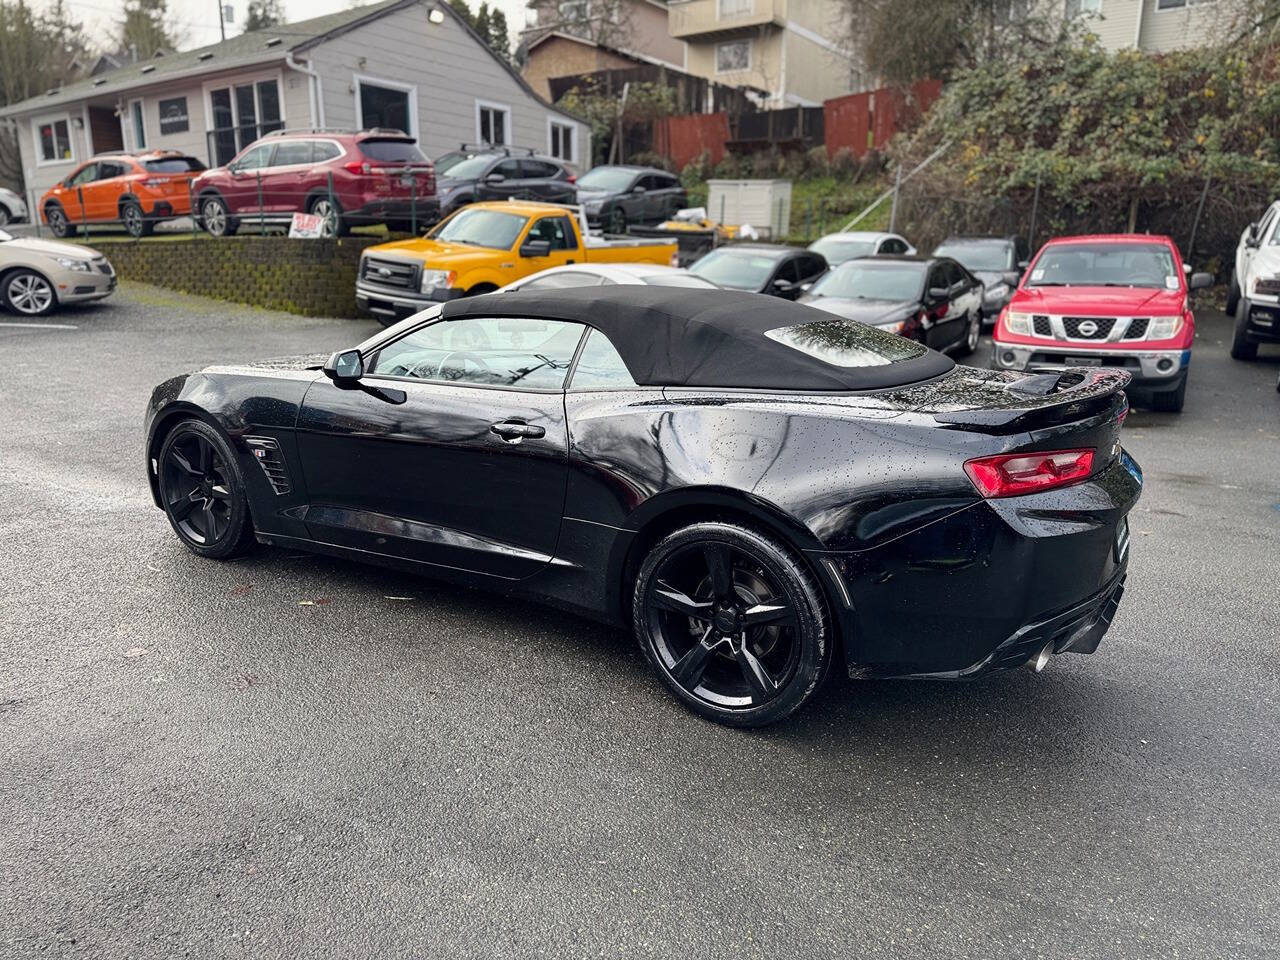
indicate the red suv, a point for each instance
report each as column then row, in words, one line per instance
column 374, row 176
column 1115, row 301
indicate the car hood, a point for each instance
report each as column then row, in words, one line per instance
column 1266, row 262
column 306, row 363
column 587, row 196
column 863, row 311
column 51, row 248
column 434, row 253
column 1099, row 301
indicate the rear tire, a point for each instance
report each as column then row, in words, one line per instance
column 617, row 223
column 1242, row 348
column 1170, row 401
column 335, row 224
column 135, row 221
column 733, row 622
column 56, row 217
column 203, row 491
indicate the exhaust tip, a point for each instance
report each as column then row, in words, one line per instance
column 1041, row 659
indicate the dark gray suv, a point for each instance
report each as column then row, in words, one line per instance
column 480, row 172
column 617, row 196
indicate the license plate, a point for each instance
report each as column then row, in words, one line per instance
column 406, row 180
column 1085, row 361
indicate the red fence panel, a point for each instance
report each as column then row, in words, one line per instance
column 847, row 123
column 861, row 121
column 684, row 138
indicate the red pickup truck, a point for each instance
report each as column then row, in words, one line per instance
column 1117, row 300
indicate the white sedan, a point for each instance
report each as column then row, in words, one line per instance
column 596, row 274
column 839, row 247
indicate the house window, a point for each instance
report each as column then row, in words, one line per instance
column 493, row 123
column 53, row 140
column 574, row 11
column 561, row 140
column 1077, row 7
column 139, row 125
column 734, row 8
column 735, row 55
column 1179, row 4
column 241, row 114
column 384, row 105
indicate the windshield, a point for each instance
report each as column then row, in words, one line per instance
column 463, row 166
column 838, row 251
column 739, row 270
column 608, row 179
column 173, row 165
column 979, row 256
column 872, row 280
column 1106, row 265
column 844, row 344
column 482, row 228
column 392, row 151
column 678, row 280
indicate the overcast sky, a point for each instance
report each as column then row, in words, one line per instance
column 197, row 20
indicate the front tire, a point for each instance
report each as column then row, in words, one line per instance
column 1242, row 348
column 29, row 294
column 1170, row 401
column 5, row 216
column 56, row 217
column 733, row 622
column 972, row 333
column 203, row 491
column 216, row 219
column 1233, row 295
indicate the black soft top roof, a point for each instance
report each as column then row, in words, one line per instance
column 680, row 336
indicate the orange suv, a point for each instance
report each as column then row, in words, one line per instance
column 137, row 190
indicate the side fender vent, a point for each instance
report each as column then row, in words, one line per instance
column 267, row 452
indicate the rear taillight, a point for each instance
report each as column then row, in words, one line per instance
column 571, row 177
column 1011, row 474
column 358, row 166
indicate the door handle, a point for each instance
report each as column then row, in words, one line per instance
column 513, row 432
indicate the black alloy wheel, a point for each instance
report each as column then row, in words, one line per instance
column 203, row 492
column 56, row 217
column 617, row 221
column 134, row 220
column 972, row 333
column 733, row 622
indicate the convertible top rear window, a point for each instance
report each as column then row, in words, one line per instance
column 845, row 344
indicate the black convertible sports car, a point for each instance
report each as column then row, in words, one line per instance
column 756, row 487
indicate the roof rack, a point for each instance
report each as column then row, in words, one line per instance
column 376, row 131
column 503, row 148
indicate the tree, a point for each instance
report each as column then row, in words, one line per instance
column 38, row 52
column 263, row 14
column 481, row 22
column 901, row 41
column 143, row 29
column 499, row 39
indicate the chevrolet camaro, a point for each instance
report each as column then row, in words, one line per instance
column 757, row 489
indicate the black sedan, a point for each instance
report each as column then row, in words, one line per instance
column 757, row 489
column 770, row 268
column 616, row 196
column 932, row 300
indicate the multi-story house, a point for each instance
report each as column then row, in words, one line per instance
column 1156, row 26
column 794, row 52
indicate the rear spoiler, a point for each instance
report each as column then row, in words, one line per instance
column 1043, row 399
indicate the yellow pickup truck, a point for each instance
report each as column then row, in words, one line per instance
column 485, row 246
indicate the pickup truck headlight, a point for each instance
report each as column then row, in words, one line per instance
column 69, row 264
column 1163, row 328
column 1018, row 323
column 436, row 278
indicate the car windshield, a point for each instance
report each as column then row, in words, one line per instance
column 173, row 165
column 838, row 251
column 1106, row 265
column 608, row 179
column 392, row 151
column 872, row 280
column 463, row 166
column 844, row 344
column 980, row 255
column 736, row 269
column 482, row 228
column 678, row 280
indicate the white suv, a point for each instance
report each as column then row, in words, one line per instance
column 1254, row 297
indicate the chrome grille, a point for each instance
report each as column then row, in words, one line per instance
column 1088, row 328
column 390, row 273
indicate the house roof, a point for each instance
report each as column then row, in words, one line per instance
column 595, row 44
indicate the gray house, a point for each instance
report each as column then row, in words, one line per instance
column 411, row 64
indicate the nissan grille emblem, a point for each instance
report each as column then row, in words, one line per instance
column 1088, row 328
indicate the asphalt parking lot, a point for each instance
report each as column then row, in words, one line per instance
column 297, row 756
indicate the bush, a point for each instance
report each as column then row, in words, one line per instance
column 647, row 158
column 844, row 163
column 816, row 163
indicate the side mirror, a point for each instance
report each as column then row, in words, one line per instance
column 535, row 248
column 1023, row 264
column 345, row 367
column 1251, row 234
column 1200, row 281
column 637, row 189
column 783, row 286
column 493, row 178
column 938, row 295
column 1011, row 278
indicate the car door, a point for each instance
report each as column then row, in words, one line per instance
column 943, row 319
column 284, row 182
column 670, row 197
column 102, row 194
column 1249, row 248
column 71, row 193
column 558, row 232
column 502, row 181
column 811, row 266
column 452, row 450
column 247, row 172
column 785, row 282
column 544, row 182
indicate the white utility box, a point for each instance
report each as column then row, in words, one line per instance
column 763, row 204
